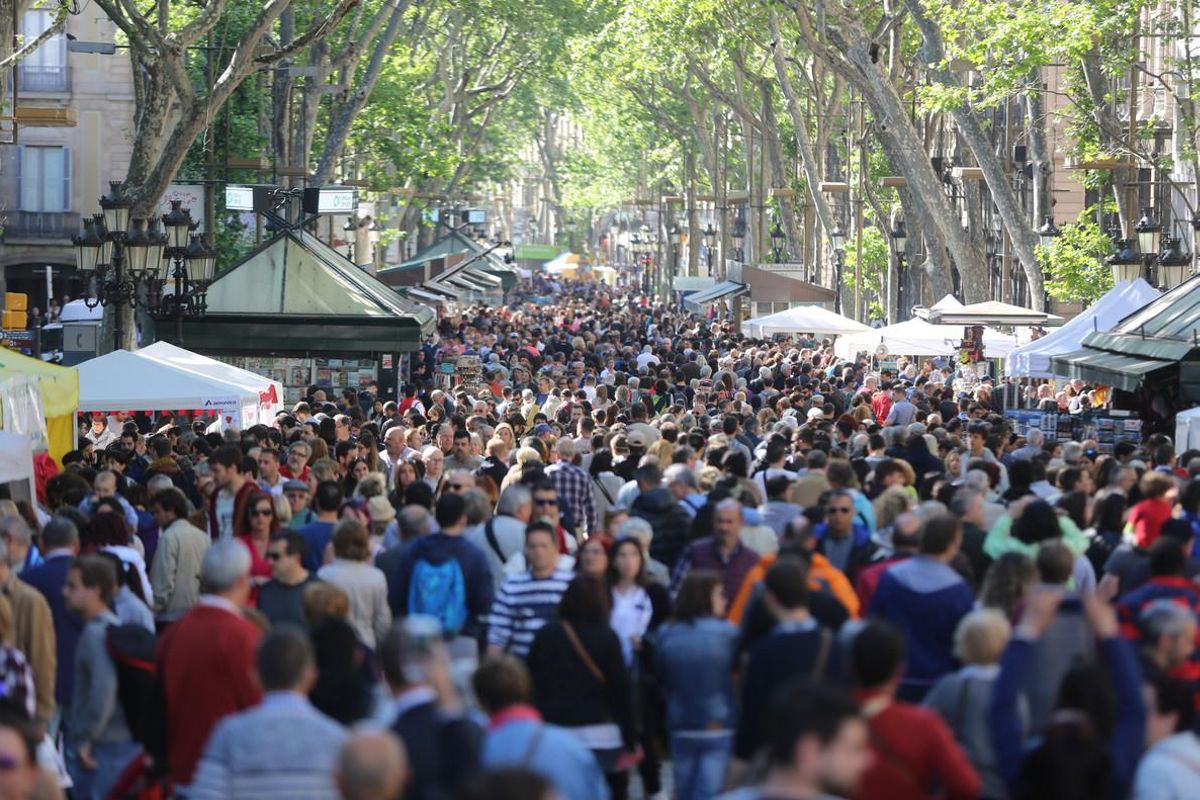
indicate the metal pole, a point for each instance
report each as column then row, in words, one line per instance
column 118, row 257
column 178, row 301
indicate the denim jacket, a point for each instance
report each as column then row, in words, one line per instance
column 695, row 660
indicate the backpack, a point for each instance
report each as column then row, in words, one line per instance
column 439, row 590
column 131, row 647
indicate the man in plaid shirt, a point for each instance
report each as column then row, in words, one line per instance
column 574, row 486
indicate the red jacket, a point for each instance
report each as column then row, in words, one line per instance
column 869, row 577
column 206, row 660
column 239, row 500
column 916, row 757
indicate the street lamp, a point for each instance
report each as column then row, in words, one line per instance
column 1173, row 262
column 1048, row 232
column 1148, row 229
column 1125, row 263
column 675, row 236
column 777, row 237
column 710, row 244
column 899, row 235
column 125, row 256
column 838, row 237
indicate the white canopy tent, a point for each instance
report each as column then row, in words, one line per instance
column 803, row 319
column 125, row 381
column 270, row 393
column 16, row 465
column 916, row 337
column 991, row 312
column 1033, row 360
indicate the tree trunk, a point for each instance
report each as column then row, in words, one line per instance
column 860, row 69
column 1020, row 232
column 693, row 212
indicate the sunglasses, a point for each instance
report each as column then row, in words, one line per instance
column 836, row 510
column 274, row 556
column 262, row 512
column 544, row 502
column 455, row 487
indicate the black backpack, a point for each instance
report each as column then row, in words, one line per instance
column 131, row 647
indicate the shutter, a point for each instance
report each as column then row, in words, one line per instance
column 68, row 167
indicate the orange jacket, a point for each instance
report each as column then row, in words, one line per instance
column 821, row 575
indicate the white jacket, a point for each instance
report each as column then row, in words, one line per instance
column 1170, row 770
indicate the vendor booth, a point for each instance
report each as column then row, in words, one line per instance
column 1033, row 360
column 270, row 393
column 802, row 319
column 59, row 391
column 299, row 313
column 916, row 337
column 125, row 381
column 16, row 468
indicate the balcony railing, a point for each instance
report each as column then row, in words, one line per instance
column 50, row 225
column 33, row 78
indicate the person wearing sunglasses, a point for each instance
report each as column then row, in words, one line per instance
column 842, row 539
column 281, row 599
column 260, row 523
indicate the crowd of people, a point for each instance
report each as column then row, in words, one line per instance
column 643, row 556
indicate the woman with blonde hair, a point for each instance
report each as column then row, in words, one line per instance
column 365, row 584
column 894, row 501
column 962, row 698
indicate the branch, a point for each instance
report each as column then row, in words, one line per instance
column 202, row 24
column 316, row 31
column 56, row 26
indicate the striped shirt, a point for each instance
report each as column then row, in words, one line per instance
column 522, row 606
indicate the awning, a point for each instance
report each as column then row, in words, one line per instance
column 444, row 289
column 469, row 283
column 722, row 291
column 1109, row 369
column 425, row 296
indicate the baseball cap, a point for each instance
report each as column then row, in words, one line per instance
column 295, row 486
column 541, row 428
column 636, row 438
column 815, row 413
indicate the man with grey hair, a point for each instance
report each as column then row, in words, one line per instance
column 17, row 536
column 206, row 659
column 1034, row 440
column 723, row 552
column 574, row 486
column 243, row 758
column 503, row 536
column 1168, row 631
column 412, row 523
column 682, row 484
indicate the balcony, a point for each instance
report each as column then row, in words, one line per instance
column 41, row 225
column 32, row 79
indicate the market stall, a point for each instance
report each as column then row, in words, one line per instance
column 269, row 391
column 803, row 319
column 59, row 391
column 916, row 337
column 16, row 467
column 125, row 381
column 1033, row 360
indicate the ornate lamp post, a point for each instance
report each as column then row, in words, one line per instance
column 1148, row 230
column 1125, row 262
column 777, row 237
column 838, row 237
column 1173, row 262
column 710, row 244
column 1048, row 232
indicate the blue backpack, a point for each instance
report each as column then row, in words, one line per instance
column 439, row 590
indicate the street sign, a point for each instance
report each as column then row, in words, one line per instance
column 535, row 252
column 17, row 335
column 239, row 198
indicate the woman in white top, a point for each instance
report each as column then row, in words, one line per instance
column 365, row 584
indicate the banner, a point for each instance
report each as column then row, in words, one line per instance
column 21, row 411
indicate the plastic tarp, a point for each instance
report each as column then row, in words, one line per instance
column 59, row 391
column 1187, row 429
column 16, row 463
column 125, row 381
column 1033, row 360
column 916, row 337
column 803, row 319
column 270, row 393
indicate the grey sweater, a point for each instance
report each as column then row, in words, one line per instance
column 95, row 713
column 961, row 699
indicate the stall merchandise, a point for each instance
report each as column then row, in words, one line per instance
column 916, row 337
column 16, row 466
column 1106, row 427
column 296, row 374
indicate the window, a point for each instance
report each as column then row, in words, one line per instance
column 44, row 174
column 762, row 309
column 45, row 69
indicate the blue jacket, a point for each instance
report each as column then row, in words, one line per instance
column 695, row 661
column 552, row 752
column 925, row 599
column 861, row 550
column 49, row 578
column 438, row 548
column 1128, row 737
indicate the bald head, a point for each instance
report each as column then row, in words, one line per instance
column 372, row 766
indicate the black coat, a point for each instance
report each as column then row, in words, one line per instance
column 672, row 525
column 442, row 751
